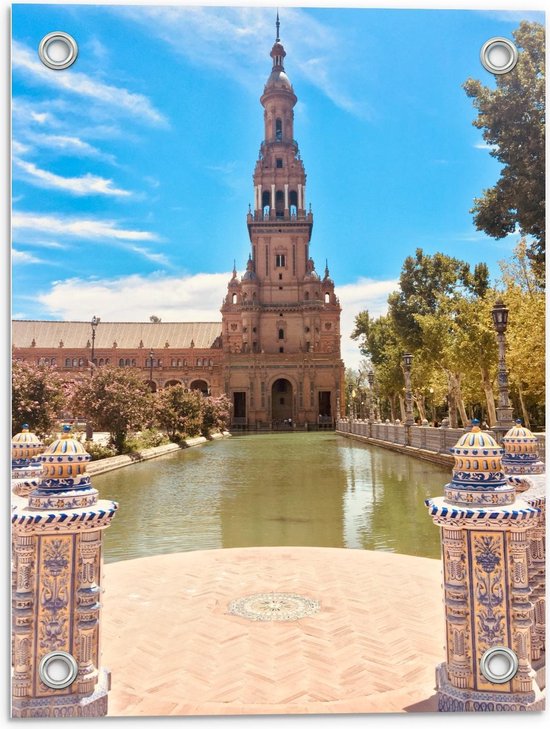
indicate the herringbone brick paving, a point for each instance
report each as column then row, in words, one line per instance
column 173, row 648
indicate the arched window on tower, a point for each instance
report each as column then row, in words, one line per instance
column 278, row 130
column 281, row 333
column 293, row 203
column 234, row 299
column 306, row 296
column 327, row 298
column 279, row 204
column 266, row 202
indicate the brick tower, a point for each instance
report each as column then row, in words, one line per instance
column 281, row 321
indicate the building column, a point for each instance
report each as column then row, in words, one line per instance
column 486, row 582
column 286, row 196
column 300, row 206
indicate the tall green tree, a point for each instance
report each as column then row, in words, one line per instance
column 380, row 343
column 115, row 399
column 512, row 117
column 423, row 282
column 38, row 396
column 524, row 295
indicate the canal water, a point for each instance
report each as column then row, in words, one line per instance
column 280, row 489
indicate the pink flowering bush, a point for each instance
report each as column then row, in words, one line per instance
column 215, row 414
column 115, row 399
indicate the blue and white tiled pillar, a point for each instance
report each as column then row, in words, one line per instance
column 484, row 537
column 57, row 531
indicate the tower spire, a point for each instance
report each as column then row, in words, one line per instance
column 277, row 25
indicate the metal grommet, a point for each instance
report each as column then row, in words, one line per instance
column 499, row 55
column 499, row 664
column 58, row 669
column 58, row 50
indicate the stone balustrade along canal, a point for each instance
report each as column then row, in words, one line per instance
column 422, row 441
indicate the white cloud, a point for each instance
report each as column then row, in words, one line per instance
column 365, row 293
column 19, row 147
column 71, row 145
column 18, row 256
column 76, row 82
column 78, row 227
column 132, row 298
column 233, row 41
column 484, row 145
column 195, row 297
column 35, row 226
column 40, row 118
column 85, row 185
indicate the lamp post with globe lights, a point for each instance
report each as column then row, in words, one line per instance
column 504, row 409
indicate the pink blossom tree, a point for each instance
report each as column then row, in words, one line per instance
column 215, row 414
column 115, row 399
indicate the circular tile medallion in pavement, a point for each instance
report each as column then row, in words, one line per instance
column 274, row 606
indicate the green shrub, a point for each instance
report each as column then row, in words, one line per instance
column 99, row 450
column 149, row 438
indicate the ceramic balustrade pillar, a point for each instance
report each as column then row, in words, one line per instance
column 57, row 538
column 485, row 532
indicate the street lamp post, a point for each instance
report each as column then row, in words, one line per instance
column 407, row 364
column 504, row 409
column 353, row 404
column 370, row 378
column 95, row 321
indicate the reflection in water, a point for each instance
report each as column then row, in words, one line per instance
column 300, row 489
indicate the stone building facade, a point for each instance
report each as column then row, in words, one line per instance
column 276, row 353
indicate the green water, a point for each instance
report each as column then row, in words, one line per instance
column 301, row 489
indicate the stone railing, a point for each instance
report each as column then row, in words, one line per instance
column 420, row 440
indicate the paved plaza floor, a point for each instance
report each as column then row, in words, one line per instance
column 176, row 645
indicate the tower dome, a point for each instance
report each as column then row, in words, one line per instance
column 478, row 478
column 25, row 446
column 521, row 451
column 250, row 274
column 65, row 483
column 26, row 467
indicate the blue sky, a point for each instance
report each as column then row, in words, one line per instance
column 132, row 170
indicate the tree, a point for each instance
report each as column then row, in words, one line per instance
column 179, row 413
column 215, row 414
column 512, row 116
column 38, row 396
column 380, row 343
column 523, row 293
column 115, row 399
column 423, row 282
column 154, row 319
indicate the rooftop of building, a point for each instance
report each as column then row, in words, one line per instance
column 127, row 335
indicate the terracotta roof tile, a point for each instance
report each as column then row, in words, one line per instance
column 127, row 335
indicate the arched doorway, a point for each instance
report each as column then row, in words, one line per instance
column 199, row 385
column 172, row 383
column 282, row 396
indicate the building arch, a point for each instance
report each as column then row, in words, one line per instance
column 172, row 383
column 152, row 385
column 201, row 385
column 282, row 400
